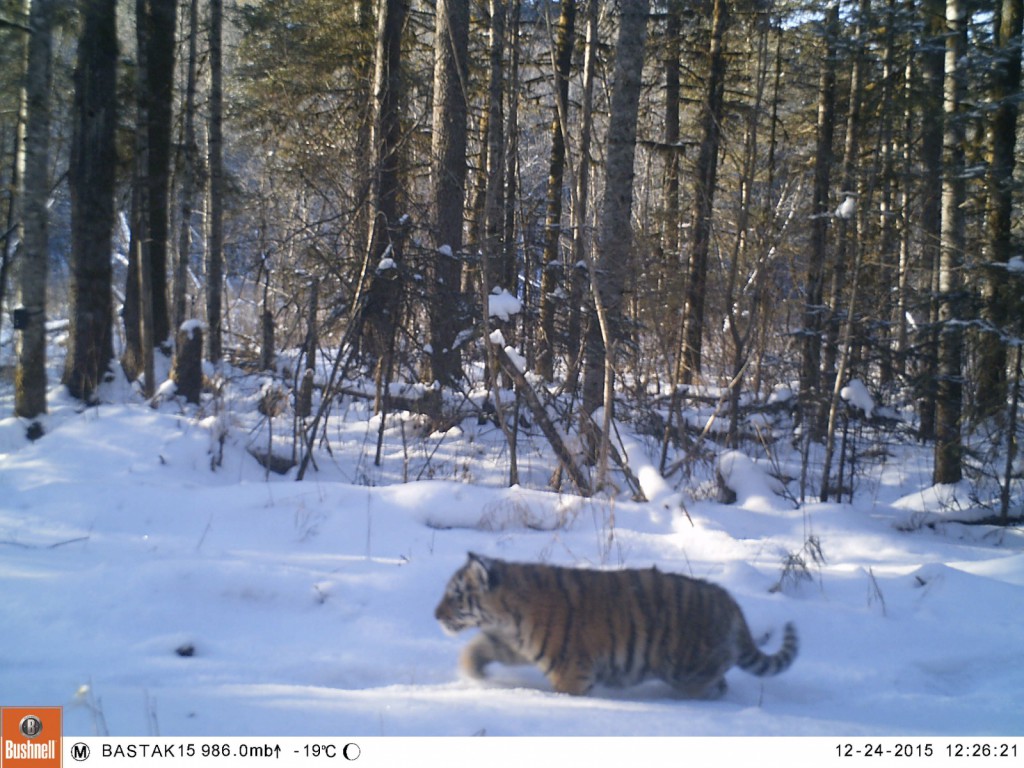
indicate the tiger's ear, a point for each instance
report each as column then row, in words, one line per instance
column 485, row 569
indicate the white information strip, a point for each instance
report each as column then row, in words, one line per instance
column 525, row 752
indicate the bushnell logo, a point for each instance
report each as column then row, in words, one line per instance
column 30, row 737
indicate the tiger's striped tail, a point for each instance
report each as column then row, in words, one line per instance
column 755, row 662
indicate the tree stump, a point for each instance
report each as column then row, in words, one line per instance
column 304, row 399
column 188, row 361
column 267, row 355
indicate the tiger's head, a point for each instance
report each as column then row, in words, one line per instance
column 465, row 598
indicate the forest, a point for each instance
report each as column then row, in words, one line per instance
column 588, row 212
column 304, row 300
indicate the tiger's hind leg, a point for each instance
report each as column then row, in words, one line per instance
column 482, row 650
column 708, row 690
column 574, row 679
column 715, row 690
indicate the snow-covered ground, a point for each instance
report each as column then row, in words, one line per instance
column 150, row 594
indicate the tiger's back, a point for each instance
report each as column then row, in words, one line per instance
column 582, row 627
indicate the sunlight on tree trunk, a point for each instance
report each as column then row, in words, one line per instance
column 949, row 399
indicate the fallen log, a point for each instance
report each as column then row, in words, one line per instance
column 553, row 434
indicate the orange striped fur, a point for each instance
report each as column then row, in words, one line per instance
column 583, row 627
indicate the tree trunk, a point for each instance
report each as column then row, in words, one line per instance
column 905, row 217
column 581, row 198
column 673, row 67
column 215, row 243
column 9, row 237
column 91, row 178
column 134, row 355
column 30, row 377
column 932, row 63
column 672, row 285
column 948, row 450
column 380, row 311
column 139, row 299
column 492, row 225
column 163, row 18
column 889, row 282
column 146, row 315
column 615, row 239
column 304, row 398
column 552, row 268
column 814, row 309
column 189, row 170
column 509, row 263
column 448, row 187
column 998, row 293
column 386, row 133
column 188, row 362
column 705, row 180
column 740, row 329
column 845, row 242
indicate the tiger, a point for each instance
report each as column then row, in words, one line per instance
column 583, row 627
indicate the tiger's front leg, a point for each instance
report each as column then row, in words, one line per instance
column 482, row 650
